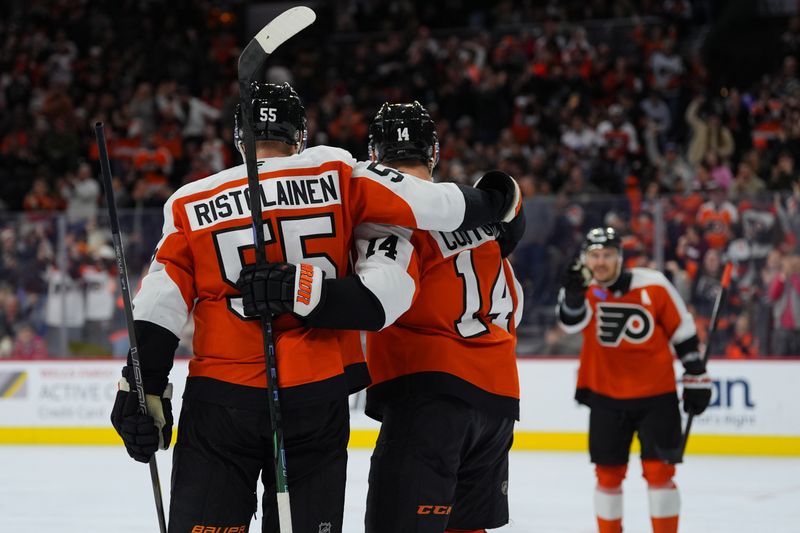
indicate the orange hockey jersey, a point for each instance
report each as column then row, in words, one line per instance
column 630, row 332
column 452, row 305
column 311, row 203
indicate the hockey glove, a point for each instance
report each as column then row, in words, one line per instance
column 574, row 281
column 495, row 180
column 278, row 288
column 511, row 233
column 696, row 392
column 142, row 434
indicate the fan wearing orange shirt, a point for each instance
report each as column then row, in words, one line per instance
column 312, row 199
column 633, row 321
column 442, row 310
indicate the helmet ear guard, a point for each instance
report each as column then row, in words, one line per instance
column 435, row 154
column 373, row 154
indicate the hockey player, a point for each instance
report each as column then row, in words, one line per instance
column 443, row 308
column 312, row 199
column 632, row 321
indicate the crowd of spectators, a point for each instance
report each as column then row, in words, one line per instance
column 604, row 111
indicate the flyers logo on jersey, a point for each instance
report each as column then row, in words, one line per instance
column 616, row 322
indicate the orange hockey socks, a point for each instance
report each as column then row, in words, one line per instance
column 663, row 496
column 608, row 497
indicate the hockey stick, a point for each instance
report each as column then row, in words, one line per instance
column 675, row 456
column 252, row 59
column 126, row 299
column 712, row 327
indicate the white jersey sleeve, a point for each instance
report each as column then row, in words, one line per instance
column 168, row 291
column 387, row 266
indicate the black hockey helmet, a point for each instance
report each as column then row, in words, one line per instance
column 403, row 131
column 601, row 238
column 278, row 115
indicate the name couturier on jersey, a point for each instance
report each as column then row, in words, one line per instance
column 312, row 199
column 441, row 309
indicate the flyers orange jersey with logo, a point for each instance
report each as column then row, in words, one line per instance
column 630, row 338
column 451, row 302
column 311, row 202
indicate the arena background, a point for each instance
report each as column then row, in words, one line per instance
column 676, row 122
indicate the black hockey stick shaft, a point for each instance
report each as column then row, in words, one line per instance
column 105, row 168
column 254, row 190
column 251, row 61
column 712, row 327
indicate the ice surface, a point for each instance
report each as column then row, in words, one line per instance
column 101, row 490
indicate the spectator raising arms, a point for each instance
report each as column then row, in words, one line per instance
column 784, row 293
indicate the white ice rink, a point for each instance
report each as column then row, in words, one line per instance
column 101, row 490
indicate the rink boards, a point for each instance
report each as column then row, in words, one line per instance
column 753, row 410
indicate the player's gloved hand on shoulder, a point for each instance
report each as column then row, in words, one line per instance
column 511, row 233
column 278, row 288
column 142, row 434
column 495, row 180
column 696, row 392
column 574, row 281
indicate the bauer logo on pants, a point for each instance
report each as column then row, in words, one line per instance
column 325, row 527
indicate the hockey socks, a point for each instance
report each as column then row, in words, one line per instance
column 608, row 508
column 608, row 497
column 665, row 504
column 663, row 496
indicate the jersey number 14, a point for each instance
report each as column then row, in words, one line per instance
column 471, row 324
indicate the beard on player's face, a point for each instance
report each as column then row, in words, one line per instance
column 603, row 263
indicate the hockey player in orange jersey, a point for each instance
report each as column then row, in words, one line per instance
column 632, row 322
column 443, row 309
column 312, row 199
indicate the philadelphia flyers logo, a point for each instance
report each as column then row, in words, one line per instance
column 616, row 322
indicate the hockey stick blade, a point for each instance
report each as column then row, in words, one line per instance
column 278, row 31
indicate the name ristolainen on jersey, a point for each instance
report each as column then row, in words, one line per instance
column 290, row 192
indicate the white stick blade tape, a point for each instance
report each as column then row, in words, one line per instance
column 284, row 510
column 285, row 26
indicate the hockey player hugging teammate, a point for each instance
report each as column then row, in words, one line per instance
column 311, row 201
column 442, row 309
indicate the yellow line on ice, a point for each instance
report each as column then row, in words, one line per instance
column 764, row 445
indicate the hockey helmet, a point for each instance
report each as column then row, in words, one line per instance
column 601, row 238
column 403, row 131
column 278, row 115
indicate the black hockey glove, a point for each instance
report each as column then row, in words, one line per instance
column 574, row 281
column 142, row 434
column 696, row 392
column 511, row 233
column 495, row 180
column 278, row 288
